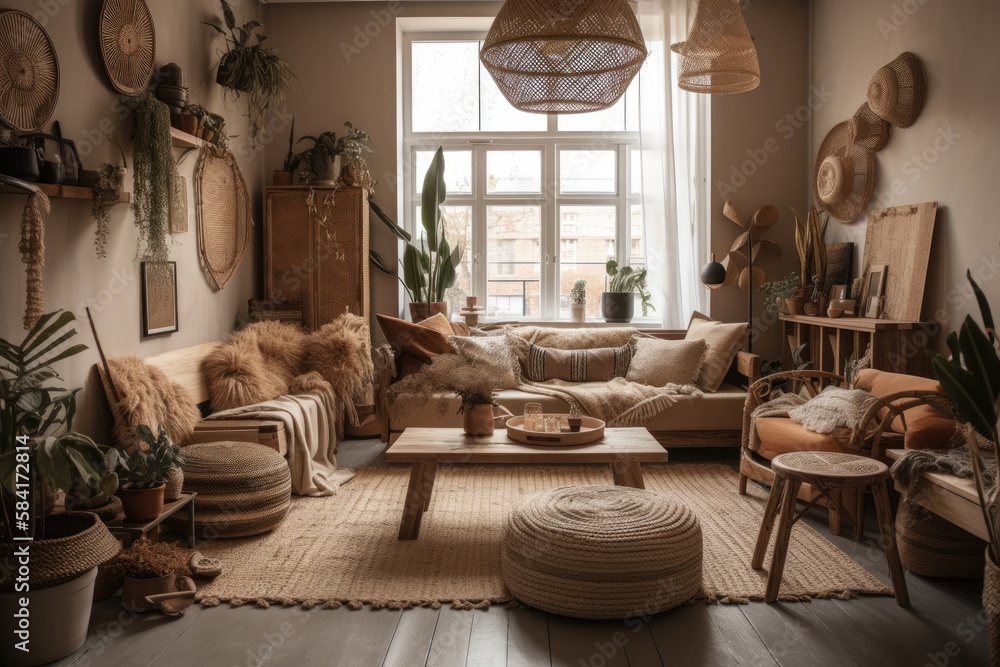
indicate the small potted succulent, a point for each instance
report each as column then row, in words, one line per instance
column 145, row 473
column 146, row 568
column 578, row 301
column 618, row 302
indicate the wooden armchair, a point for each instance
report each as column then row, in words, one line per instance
column 920, row 416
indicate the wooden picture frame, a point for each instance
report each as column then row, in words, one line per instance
column 874, row 289
column 839, row 292
column 839, row 262
column 158, row 289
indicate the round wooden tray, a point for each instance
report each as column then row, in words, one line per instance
column 591, row 430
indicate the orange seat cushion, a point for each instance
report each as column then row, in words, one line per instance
column 422, row 340
column 926, row 427
column 779, row 435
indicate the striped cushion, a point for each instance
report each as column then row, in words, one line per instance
column 597, row 365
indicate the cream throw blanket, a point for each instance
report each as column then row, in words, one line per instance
column 311, row 429
column 616, row 402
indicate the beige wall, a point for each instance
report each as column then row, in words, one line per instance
column 759, row 153
column 950, row 155
column 344, row 54
column 89, row 112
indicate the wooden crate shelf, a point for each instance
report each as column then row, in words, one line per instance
column 63, row 192
column 897, row 346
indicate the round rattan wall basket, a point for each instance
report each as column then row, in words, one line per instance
column 128, row 44
column 223, row 214
column 29, row 72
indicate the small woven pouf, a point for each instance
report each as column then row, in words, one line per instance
column 243, row 489
column 604, row 552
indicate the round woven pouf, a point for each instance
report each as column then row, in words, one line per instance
column 602, row 552
column 243, row 489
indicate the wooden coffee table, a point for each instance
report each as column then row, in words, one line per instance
column 623, row 448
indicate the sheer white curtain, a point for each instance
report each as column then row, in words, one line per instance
column 674, row 142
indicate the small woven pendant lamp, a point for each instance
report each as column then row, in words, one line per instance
column 563, row 56
column 719, row 57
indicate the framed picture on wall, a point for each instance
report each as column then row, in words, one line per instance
column 159, row 297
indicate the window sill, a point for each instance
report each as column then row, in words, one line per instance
column 636, row 323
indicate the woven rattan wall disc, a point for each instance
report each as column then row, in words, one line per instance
column 128, row 44
column 29, row 72
column 223, row 214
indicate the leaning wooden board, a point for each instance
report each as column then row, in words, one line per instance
column 900, row 237
column 952, row 498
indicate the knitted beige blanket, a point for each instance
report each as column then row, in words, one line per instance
column 616, row 402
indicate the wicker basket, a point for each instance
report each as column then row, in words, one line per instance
column 933, row 547
column 74, row 542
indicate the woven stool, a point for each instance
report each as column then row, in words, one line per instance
column 828, row 473
column 243, row 489
column 602, row 552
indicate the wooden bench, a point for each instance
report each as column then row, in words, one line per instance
column 183, row 366
column 954, row 499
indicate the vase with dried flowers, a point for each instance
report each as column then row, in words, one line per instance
column 146, row 568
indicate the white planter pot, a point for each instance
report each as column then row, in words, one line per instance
column 59, row 618
column 578, row 312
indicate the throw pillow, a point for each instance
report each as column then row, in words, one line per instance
column 340, row 352
column 834, row 407
column 723, row 341
column 423, row 340
column 597, row 365
column 237, row 375
column 491, row 356
column 282, row 346
column 658, row 362
column 926, row 427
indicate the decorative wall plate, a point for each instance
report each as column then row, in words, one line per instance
column 223, row 214
column 128, row 44
column 29, row 72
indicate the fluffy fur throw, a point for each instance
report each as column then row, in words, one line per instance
column 148, row 397
column 236, row 374
column 958, row 461
column 833, row 408
column 281, row 346
column 340, row 352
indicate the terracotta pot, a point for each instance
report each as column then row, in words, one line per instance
column 186, row 122
column 578, row 312
column 142, row 504
column 419, row 311
column 60, row 616
column 283, row 177
column 617, row 306
column 134, row 591
column 478, row 420
column 991, row 605
column 796, row 306
column 174, row 486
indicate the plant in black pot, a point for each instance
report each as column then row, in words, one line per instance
column 145, row 472
column 36, row 413
column 249, row 67
column 18, row 157
column 618, row 302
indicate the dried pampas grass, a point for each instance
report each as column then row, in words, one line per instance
column 148, row 397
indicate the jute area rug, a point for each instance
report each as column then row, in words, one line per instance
column 343, row 549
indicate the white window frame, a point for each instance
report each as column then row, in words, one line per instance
column 549, row 143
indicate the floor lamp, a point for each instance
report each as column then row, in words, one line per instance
column 713, row 274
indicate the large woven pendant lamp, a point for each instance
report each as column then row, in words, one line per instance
column 719, row 57
column 563, row 56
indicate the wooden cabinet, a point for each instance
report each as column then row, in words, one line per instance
column 317, row 252
column 899, row 347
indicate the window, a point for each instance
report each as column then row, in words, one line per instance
column 537, row 201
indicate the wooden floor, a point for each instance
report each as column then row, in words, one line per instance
column 944, row 626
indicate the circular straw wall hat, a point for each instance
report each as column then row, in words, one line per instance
column 870, row 131
column 844, row 174
column 896, row 92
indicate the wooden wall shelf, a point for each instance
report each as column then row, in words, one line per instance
column 897, row 346
column 185, row 140
column 63, row 192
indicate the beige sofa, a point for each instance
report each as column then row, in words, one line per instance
column 705, row 420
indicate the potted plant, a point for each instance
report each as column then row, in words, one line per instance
column 146, row 568
column 67, row 547
column 618, row 302
column 249, row 67
column 286, row 174
column 321, row 164
column 811, row 248
column 107, row 190
column 18, row 157
column 145, row 473
column 578, row 301
column 783, row 296
column 431, row 267
column 76, row 465
column 971, row 380
column 155, row 170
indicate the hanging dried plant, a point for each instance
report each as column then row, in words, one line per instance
column 154, row 167
column 32, row 247
column 106, row 193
